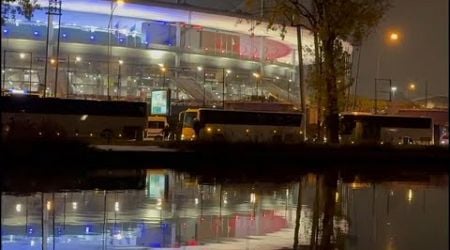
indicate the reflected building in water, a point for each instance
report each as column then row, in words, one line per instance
column 177, row 210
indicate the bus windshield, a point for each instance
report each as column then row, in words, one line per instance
column 154, row 124
column 189, row 119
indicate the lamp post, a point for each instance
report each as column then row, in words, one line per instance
column 392, row 38
column 393, row 90
column 289, row 90
column 223, row 85
column 163, row 70
column 199, row 69
column 256, row 75
column 119, row 79
column 411, row 89
column 113, row 6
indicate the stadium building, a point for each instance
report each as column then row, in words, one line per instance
column 121, row 50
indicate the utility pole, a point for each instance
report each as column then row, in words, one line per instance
column 223, row 88
column 301, row 81
column 58, row 12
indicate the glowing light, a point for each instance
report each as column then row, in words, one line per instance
column 218, row 130
column 36, row 33
column 412, row 86
column 120, row 2
column 116, row 206
column 196, row 201
column 410, row 195
column 83, row 117
column 393, row 36
column 74, row 205
column 18, row 208
column 337, row 197
column 49, row 205
column 78, row 59
column 52, row 61
column 208, row 130
column 394, row 88
column 92, row 37
column 256, row 75
column 17, row 91
column 247, row 130
column 120, row 62
column 159, row 202
column 228, row 71
column 199, row 68
column 22, row 55
column 252, row 197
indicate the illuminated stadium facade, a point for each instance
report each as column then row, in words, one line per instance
column 202, row 56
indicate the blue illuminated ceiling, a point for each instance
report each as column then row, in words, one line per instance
column 75, row 18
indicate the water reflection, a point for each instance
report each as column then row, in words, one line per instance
column 176, row 210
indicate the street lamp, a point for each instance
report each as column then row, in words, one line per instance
column 393, row 89
column 163, row 70
column 113, row 6
column 228, row 71
column 256, row 75
column 199, row 69
column 393, row 38
column 119, row 79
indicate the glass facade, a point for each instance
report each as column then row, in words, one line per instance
column 201, row 65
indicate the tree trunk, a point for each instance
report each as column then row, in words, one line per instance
column 330, row 188
column 297, row 216
column 332, row 115
column 319, row 90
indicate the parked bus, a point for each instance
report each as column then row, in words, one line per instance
column 385, row 129
column 155, row 128
column 30, row 116
column 240, row 126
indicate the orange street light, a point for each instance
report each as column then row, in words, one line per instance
column 393, row 36
column 412, row 86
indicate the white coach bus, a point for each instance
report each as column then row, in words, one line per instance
column 385, row 129
column 240, row 126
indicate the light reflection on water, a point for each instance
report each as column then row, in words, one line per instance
column 178, row 211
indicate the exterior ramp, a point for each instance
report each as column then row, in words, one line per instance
column 191, row 87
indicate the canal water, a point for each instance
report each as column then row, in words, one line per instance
column 163, row 209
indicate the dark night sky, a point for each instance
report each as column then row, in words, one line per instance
column 421, row 55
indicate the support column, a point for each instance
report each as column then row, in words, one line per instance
column 49, row 52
